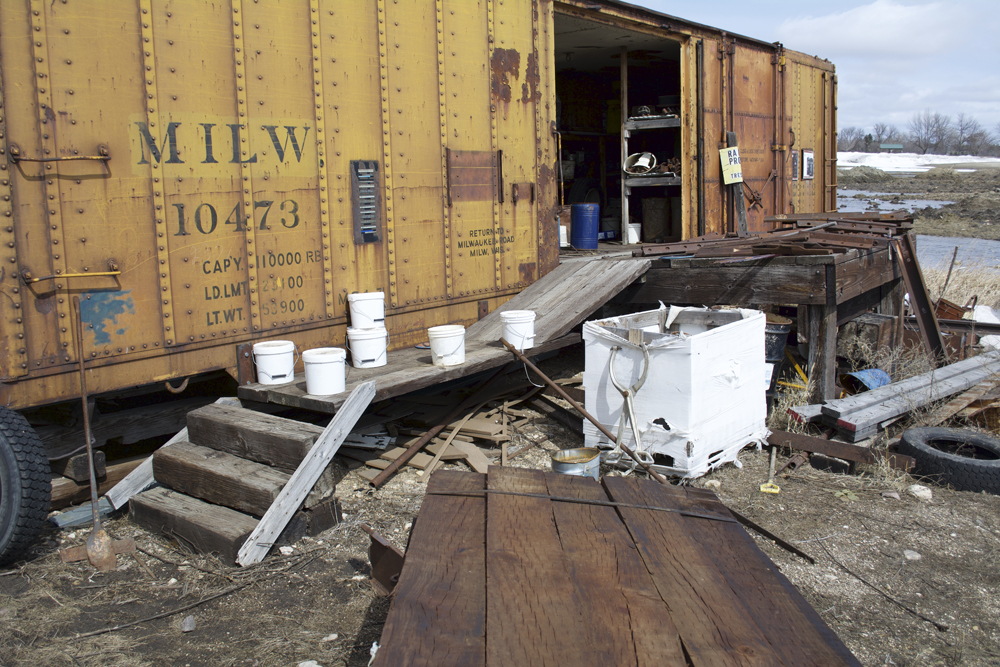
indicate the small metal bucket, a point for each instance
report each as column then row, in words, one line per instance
column 582, row 462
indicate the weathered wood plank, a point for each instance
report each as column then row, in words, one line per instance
column 563, row 297
column 406, row 371
column 840, row 450
column 305, row 476
column 66, row 492
column 276, row 441
column 714, row 625
column 77, row 467
column 788, row 623
column 532, row 604
column 724, row 284
column 473, row 456
column 206, row 528
column 218, row 477
column 629, row 625
column 441, row 589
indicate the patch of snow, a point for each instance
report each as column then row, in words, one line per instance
column 906, row 162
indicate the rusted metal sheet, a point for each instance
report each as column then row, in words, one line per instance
column 228, row 193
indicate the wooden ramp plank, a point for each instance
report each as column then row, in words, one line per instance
column 532, row 606
column 715, row 627
column 629, row 623
column 407, row 370
column 563, row 297
column 788, row 623
column 442, row 587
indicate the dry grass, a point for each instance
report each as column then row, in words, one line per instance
column 966, row 281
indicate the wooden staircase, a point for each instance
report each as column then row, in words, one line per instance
column 218, row 483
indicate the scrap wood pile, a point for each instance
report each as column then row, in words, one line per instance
column 524, row 567
column 858, row 417
column 476, row 435
column 794, row 234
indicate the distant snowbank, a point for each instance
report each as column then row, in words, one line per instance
column 905, row 162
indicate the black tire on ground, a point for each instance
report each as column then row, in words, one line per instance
column 964, row 460
column 25, row 486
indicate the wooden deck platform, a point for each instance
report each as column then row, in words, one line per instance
column 561, row 300
column 521, row 567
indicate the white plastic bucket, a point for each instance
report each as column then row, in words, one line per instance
column 325, row 369
column 634, row 230
column 367, row 310
column 367, row 346
column 447, row 344
column 275, row 361
column 519, row 328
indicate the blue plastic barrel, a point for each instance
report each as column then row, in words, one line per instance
column 585, row 221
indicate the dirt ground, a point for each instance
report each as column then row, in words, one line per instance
column 317, row 603
column 976, row 196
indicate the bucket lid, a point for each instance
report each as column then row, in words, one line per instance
column 366, row 334
column 324, row 355
column 273, row 347
column 518, row 315
column 367, row 296
column 445, row 330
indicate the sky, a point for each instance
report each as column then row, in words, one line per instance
column 894, row 58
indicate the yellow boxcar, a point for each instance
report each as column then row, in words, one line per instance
column 204, row 174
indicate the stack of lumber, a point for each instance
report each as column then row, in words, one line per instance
column 223, row 478
column 858, row 417
column 522, row 567
column 806, row 234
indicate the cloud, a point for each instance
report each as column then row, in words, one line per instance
column 881, row 28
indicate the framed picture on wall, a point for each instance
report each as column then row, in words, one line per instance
column 795, row 165
column 808, row 164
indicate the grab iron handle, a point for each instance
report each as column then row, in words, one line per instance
column 103, row 156
column 113, row 270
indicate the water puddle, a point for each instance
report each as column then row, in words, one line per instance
column 848, row 201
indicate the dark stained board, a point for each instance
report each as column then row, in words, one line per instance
column 441, row 586
column 579, row 584
column 628, row 625
column 532, row 601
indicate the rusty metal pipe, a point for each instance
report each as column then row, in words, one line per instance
column 645, row 466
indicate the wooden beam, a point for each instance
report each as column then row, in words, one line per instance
column 273, row 522
column 275, row 441
column 199, row 525
column 729, row 284
column 77, row 467
column 840, row 450
column 140, row 478
column 66, row 492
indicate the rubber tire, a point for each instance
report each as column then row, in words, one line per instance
column 959, row 472
column 25, row 485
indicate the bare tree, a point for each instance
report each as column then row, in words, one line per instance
column 884, row 132
column 970, row 136
column 849, row 138
column 930, row 132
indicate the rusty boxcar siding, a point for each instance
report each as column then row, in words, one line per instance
column 207, row 174
column 779, row 102
column 256, row 162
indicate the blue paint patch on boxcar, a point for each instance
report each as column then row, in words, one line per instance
column 101, row 309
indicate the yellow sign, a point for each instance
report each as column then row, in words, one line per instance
column 732, row 172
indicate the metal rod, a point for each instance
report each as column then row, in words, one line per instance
column 86, row 412
column 700, row 52
column 645, row 466
column 30, row 281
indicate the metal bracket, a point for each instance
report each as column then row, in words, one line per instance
column 104, row 155
column 386, row 561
